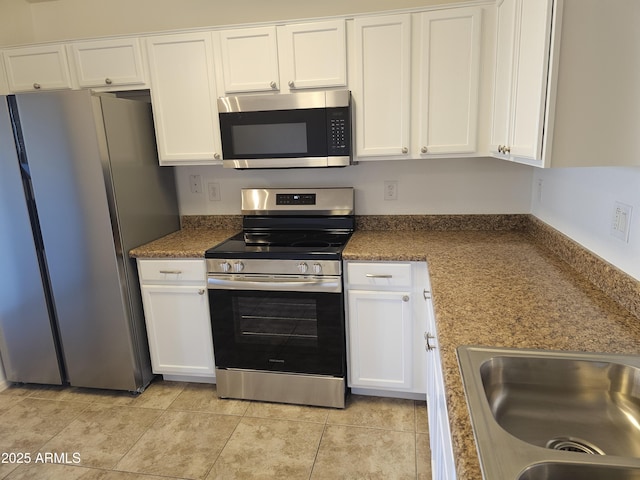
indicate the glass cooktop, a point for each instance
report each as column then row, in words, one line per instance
column 282, row 244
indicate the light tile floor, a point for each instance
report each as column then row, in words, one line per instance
column 184, row 431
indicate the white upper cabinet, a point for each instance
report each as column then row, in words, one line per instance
column 183, row 96
column 520, row 85
column 282, row 59
column 108, row 63
column 37, row 68
column 381, row 85
column 448, row 46
column 313, row 55
column 249, row 59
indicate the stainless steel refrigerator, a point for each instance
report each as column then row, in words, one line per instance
column 80, row 186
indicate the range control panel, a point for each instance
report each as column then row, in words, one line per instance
column 295, row 199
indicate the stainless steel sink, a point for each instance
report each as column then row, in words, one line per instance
column 570, row 471
column 540, row 414
column 592, row 406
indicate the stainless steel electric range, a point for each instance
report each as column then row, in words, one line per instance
column 276, row 297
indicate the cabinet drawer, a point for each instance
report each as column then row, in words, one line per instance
column 379, row 274
column 173, row 271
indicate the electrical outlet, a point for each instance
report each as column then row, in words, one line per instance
column 620, row 221
column 195, row 181
column 214, row 191
column 390, row 189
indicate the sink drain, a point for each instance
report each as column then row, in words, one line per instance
column 571, row 444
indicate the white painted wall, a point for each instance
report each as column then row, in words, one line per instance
column 580, row 202
column 480, row 185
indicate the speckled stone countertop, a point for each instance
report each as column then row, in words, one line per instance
column 501, row 288
column 516, row 284
column 185, row 243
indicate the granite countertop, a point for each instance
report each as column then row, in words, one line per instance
column 185, row 243
column 501, row 289
column 491, row 288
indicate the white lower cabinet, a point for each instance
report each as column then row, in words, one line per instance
column 442, row 463
column 176, row 308
column 385, row 326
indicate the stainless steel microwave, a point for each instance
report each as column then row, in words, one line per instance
column 307, row 129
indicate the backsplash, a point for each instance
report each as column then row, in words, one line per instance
column 219, row 222
column 443, row 222
column 617, row 284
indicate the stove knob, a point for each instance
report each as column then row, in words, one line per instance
column 317, row 268
column 238, row 266
column 225, row 267
column 303, row 267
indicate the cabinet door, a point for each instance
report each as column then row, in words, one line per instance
column 249, row 59
column 37, row 68
column 520, row 86
column 447, row 94
column 183, row 98
column 530, row 79
column 108, row 63
column 380, row 339
column 313, row 54
column 381, row 87
column 178, row 328
column 503, row 77
column 442, row 462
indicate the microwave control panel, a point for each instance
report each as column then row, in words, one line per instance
column 339, row 131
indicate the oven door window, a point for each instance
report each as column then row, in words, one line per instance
column 278, row 331
column 274, row 134
column 276, row 321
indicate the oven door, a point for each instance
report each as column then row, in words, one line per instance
column 278, row 323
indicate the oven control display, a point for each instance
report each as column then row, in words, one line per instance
column 295, row 198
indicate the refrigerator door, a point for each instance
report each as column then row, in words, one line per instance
column 27, row 344
column 64, row 147
column 142, row 198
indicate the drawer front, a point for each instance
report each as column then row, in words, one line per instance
column 371, row 274
column 172, row 271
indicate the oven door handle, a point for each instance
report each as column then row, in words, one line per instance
column 276, row 284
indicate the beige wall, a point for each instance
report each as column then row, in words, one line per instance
column 15, row 22
column 71, row 19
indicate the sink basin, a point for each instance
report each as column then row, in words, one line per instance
column 564, row 471
column 539, row 414
column 567, row 404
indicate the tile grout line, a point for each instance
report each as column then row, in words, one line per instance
column 315, row 458
column 133, row 444
column 164, row 411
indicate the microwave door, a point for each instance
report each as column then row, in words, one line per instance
column 283, row 136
